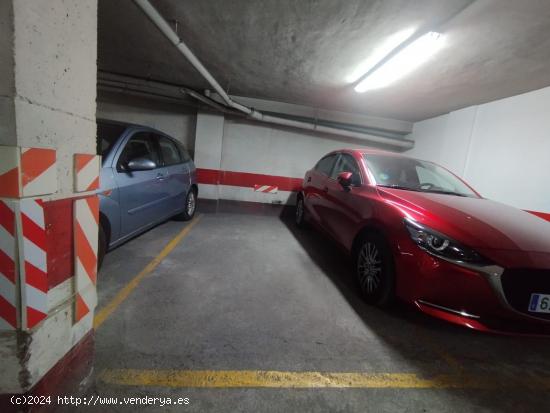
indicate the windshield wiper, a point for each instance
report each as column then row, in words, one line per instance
column 406, row 188
column 435, row 191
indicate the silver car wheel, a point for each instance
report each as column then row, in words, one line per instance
column 190, row 207
column 370, row 268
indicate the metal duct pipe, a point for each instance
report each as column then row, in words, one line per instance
column 165, row 28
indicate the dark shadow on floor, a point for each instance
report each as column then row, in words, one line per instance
column 455, row 349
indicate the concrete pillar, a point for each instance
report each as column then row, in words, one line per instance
column 48, row 55
column 208, row 153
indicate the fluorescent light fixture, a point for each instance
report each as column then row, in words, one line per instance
column 379, row 53
column 403, row 62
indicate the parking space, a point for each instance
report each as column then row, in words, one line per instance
column 267, row 206
column 275, row 316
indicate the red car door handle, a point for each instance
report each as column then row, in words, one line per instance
column 325, row 189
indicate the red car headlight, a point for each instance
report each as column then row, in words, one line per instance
column 442, row 246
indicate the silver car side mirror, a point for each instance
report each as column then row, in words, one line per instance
column 141, row 164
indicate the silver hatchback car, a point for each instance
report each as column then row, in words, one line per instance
column 146, row 178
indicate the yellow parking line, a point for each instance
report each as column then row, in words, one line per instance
column 311, row 379
column 106, row 311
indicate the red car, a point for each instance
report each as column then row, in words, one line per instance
column 418, row 232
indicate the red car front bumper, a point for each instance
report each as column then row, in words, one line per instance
column 471, row 297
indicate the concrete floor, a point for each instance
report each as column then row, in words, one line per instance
column 247, row 291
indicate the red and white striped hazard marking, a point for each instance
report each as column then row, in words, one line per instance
column 8, row 289
column 9, row 172
column 86, row 172
column 27, row 171
column 266, row 189
column 38, row 171
column 85, row 241
column 33, row 259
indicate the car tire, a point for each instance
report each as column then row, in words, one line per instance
column 375, row 272
column 190, row 206
column 300, row 213
column 102, row 247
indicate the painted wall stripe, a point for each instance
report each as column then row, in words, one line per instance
column 9, row 184
column 35, row 254
column 7, row 242
column 34, row 162
column 9, row 171
column 8, row 281
column 7, row 266
column 265, row 189
column 59, row 238
column 33, row 258
column 86, row 253
column 7, row 218
column 35, row 277
column 86, row 172
column 250, row 180
column 8, row 315
column 245, row 179
column 8, row 291
column 86, row 218
column 38, row 171
column 81, row 160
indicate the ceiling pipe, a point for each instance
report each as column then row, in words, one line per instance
column 165, row 28
column 113, row 82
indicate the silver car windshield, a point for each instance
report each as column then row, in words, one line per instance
column 415, row 175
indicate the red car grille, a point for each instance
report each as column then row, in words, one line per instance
column 519, row 284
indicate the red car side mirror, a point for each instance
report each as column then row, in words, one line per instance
column 344, row 179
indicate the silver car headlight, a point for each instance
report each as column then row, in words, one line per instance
column 442, row 246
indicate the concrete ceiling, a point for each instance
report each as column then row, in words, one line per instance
column 302, row 51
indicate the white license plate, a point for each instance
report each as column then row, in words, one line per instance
column 540, row 303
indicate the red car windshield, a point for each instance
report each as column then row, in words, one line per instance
column 415, row 175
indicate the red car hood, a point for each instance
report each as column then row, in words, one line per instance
column 474, row 221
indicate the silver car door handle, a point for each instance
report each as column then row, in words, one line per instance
column 160, row 177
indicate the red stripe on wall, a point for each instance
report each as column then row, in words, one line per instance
column 8, row 312
column 33, row 232
column 251, row 180
column 543, row 215
column 7, row 266
column 34, row 163
column 246, row 179
column 9, row 183
column 58, row 216
column 81, row 160
column 85, row 252
column 34, row 316
column 7, row 218
column 36, row 277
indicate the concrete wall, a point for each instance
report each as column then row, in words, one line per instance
column 237, row 145
column 501, row 148
column 175, row 120
column 7, row 80
column 39, row 105
column 47, row 99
